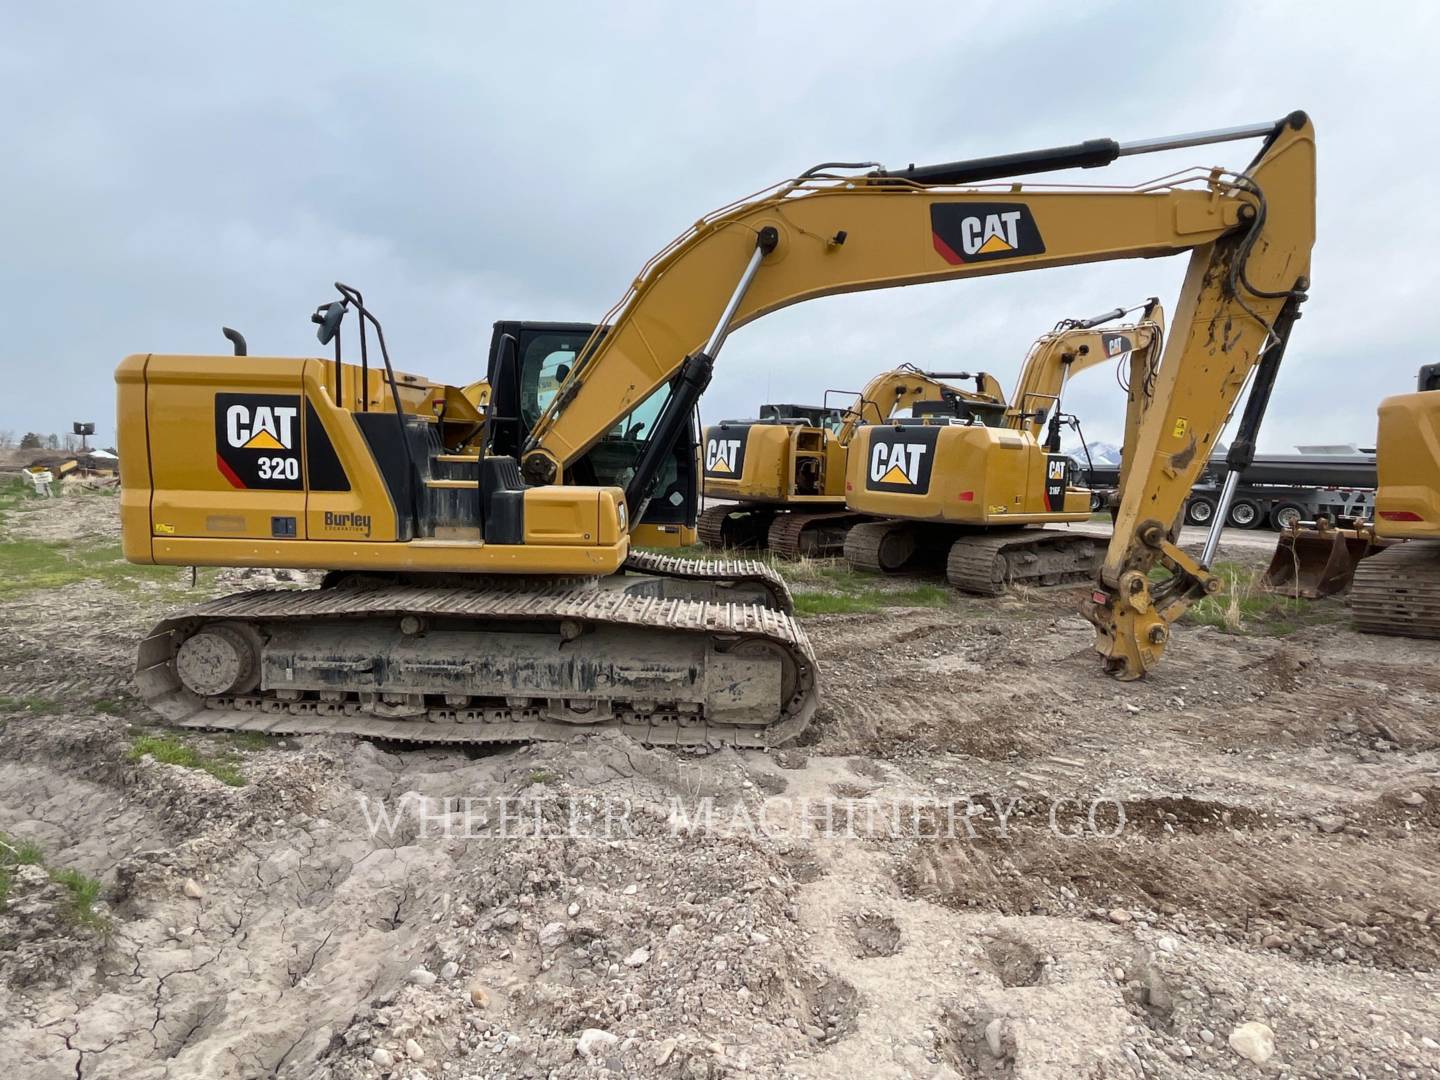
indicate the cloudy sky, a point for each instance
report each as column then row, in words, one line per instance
column 169, row 167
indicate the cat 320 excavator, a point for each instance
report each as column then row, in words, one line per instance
column 481, row 581
column 968, row 484
column 783, row 474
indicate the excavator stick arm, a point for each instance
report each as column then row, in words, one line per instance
column 1228, row 317
column 1058, row 357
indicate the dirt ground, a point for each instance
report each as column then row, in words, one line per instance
column 985, row 859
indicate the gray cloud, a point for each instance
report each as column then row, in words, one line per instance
column 172, row 167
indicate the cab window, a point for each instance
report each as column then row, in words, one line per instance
column 547, row 361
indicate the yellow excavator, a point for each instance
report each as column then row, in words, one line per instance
column 969, row 482
column 1391, row 566
column 1397, row 590
column 782, row 476
column 482, row 584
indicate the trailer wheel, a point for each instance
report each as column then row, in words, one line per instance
column 1245, row 514
column 1286, row 515
column 1200, row 510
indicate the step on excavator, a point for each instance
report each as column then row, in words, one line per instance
column 782, row 475
column 1390, row 566
column 481, row 579
column 973, row 483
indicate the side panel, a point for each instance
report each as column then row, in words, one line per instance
column 900, row 459
column 562, row 515
column 133, row 442
column 1407, row 460
column 743, row 461
column 225, row 447
column 836, row 462
column 347, row 498
column 724, row 451
column 976, row 476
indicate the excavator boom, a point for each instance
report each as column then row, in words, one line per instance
column 1248, row 233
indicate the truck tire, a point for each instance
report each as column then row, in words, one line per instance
column 1097, row 501
column 1245, row 514
column 1200, row 510
column 1285, row 514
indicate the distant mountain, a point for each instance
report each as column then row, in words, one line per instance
column 1101, row 453
column 1104, row 453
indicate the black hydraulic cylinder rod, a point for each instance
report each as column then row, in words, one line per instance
column 689, row 384
column 1091, row 323
column 1085, row 155
column 1242, row 450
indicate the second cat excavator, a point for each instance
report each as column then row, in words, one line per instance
column 481, row 584
column 973, row 486
column 1391, row 566
column 782, row 475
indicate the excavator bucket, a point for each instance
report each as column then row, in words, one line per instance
column 1312, row 561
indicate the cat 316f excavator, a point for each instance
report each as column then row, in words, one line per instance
column 482, row 584
column 968, row 483
column 783, row 474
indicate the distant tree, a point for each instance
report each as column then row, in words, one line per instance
column 32, row 440
column 52, row 441
column 7, row 439
column 70, row 441
column 112, row 450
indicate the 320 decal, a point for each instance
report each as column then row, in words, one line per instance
column 257, row 440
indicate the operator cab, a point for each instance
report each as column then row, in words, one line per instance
column 816, row 416
column 528, row 363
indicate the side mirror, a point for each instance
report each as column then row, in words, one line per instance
column 328, row 319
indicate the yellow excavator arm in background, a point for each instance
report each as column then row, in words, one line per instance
column 1073, row 347
column 904, row 386
column 1249, row 234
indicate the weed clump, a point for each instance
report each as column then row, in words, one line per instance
column 168, row 750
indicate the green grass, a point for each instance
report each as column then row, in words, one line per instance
column 16, row 494
column 860, row 598
column 249, row 740
column 168, row 750
column 691, row 551
column 1244, row 607
column 84, row 890
column 34, row 706
column 831, row 587
column 28, row 565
